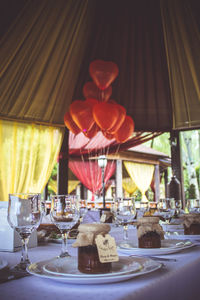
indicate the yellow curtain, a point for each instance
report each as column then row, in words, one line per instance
column 141, row 174
column 40, row 59
column 72, row 184
column 182, row 43
column 28, row 154
column 129, row 185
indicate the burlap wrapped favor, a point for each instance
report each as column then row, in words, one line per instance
column 147, row 224
column 189, row 219
column 88, row 233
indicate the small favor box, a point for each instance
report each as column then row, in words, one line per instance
column 9, row 238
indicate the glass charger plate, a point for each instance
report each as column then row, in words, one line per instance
column 148, row 266
column 168, row 246
column 3, row 263
column 61, row 266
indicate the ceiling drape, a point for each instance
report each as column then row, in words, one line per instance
column 40, row 57
column 130, row 34
column 182, row 42
column 45, row 56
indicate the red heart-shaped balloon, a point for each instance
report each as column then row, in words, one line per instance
column 105, row 115
column 81, row 113
column 108, row 136
column 92, row 102
column 90, row 90
column 125, row 131
column 120, row 119
column 103, row 73
column 92, row 132
column 70, row 124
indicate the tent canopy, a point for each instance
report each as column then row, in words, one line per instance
column 47, row 46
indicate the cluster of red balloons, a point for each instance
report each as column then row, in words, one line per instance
column 98, row 111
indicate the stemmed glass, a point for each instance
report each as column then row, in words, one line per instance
column 83, row 209
column 193, row 205
column 64, row 214
column 178, row 210
column 124, row 213
column 24, row 215
column 166, row 208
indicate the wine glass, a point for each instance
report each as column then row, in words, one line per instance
column 124, row 213
column 83, row 209
column 178, row 210
column 64, row 214
column 25, row 212
column 141, row 208
column 193, row 205
column 152, row 208
column 166, row 208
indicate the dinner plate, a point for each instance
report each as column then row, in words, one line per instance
column 168, row 246
column 193, row 238
column 61, row 266
column 172, row 226
column 147, row 266
column 3, row 263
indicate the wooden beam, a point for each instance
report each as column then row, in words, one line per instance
column 157, row 182
column 119, row 190
column 63, row 166
column 177, row 161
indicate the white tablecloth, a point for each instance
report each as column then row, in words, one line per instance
column 177, row 280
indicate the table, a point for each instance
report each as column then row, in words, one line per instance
column 178, row 280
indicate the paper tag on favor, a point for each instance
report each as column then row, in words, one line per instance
column 107, row 249
column 103, row 218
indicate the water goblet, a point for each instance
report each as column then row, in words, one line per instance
column 178, row 208
column 152, row 208
column 193, row 205
column 83, row 209
column 142, row 208
column 25, row 212
column 166, row 208
column 124, row 213
column 64, row 214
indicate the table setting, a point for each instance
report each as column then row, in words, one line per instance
column 57, row 263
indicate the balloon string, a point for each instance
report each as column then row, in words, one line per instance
column 91, row 162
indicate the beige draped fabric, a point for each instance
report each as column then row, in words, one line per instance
column 141, row 174
column 129, row 185
column 182, row 43
column 40, row 59
column 28, row 154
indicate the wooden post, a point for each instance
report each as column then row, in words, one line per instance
column 177, row 161
column 166, row 182
column 119, row 190
column 157, row 182
column 63, row 166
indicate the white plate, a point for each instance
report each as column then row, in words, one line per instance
column 148, row 266
column 194, row 238
column 167, row 246
column 3, row 263
column 61, row 266
column 172, row 226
